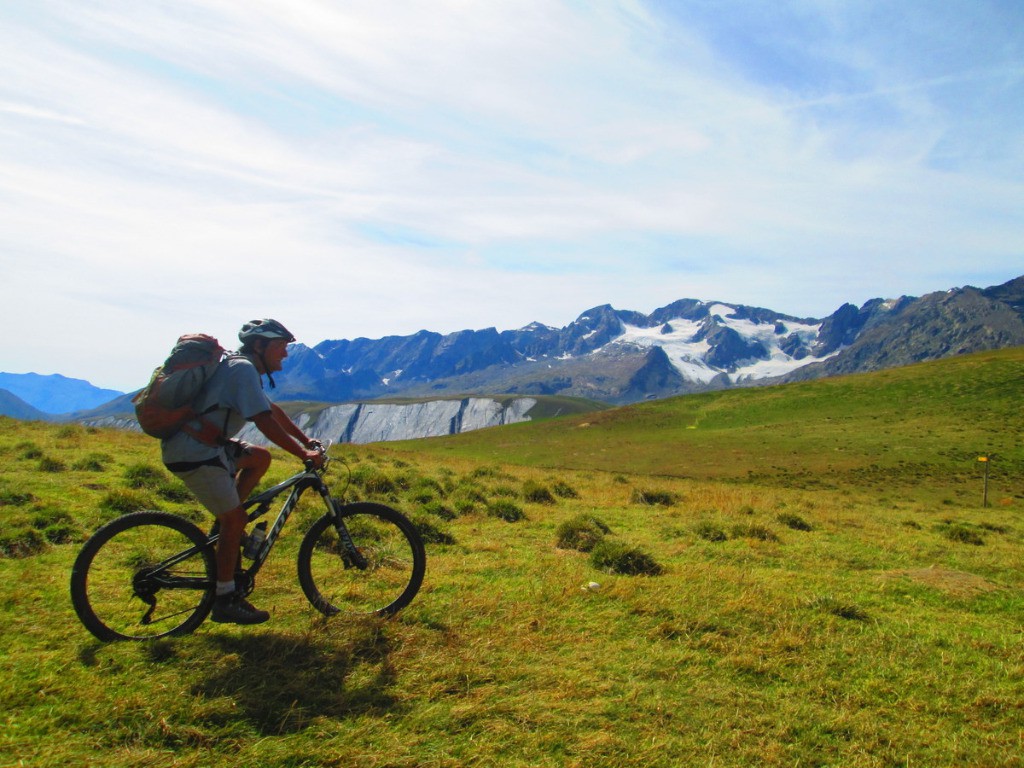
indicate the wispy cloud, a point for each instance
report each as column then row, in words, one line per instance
column 368, row 168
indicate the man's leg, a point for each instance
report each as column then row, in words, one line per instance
column 216, row 490
column 232, row 526
column 252, row 465
column 230, row 606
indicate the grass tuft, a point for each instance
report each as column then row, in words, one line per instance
column 962, row 534
column 794, row 521
column 710, row 532
column 536, row 493
column 121, row 501
column 618, row 557
column 507, row 510
column 653, row 497
column 582, row 533
column 753, row 531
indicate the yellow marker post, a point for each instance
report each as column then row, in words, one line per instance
column 984, row 460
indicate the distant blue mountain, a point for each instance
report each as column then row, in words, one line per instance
column 13, row 406
column 55, row 394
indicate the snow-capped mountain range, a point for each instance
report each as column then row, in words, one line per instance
column 688, row 346
column 619, row 357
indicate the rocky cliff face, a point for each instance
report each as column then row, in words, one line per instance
column 379, row 422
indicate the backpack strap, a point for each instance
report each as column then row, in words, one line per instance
column 208, row 434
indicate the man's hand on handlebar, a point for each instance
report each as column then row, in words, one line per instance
column 314, row 455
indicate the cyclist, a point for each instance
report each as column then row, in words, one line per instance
column 221, row 471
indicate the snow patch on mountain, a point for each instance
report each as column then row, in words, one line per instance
column 686, row 354
column 685, row 342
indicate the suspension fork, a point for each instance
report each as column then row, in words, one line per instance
column 350, row 552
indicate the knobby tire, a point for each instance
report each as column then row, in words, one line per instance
column 395, row 561
column 109, row 587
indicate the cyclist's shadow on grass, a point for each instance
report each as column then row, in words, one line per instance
column 282, row 683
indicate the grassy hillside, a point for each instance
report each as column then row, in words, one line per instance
column 914, row 431
column 795, row 576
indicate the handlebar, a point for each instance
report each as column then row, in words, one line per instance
column 322, row 449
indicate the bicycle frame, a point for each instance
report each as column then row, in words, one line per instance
column 298, row 484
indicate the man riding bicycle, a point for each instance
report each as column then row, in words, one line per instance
column 220, row 471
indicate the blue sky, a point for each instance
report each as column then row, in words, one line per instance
column 372, row 168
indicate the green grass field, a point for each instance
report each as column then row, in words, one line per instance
column 800, row 575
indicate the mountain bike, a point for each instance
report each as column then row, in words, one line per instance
column 152, row 574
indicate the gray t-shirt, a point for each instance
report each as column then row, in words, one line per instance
column 233, row 396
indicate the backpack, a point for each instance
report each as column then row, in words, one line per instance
column 165, row 405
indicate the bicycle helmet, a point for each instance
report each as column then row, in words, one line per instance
column 264, row 329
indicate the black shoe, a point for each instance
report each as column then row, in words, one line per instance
column 235, row 609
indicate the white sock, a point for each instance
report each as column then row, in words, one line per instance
column 225, row 587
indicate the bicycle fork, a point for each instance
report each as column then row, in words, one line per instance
column 350, row 554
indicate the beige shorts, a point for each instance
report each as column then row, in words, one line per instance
column 213, row 484
column 214, row 487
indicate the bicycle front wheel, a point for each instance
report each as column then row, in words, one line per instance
column 384, row 576
column 142, row 576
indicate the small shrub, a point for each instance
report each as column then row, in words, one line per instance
column 11, row 498
column 995, row 528
column 49, row 464
column 144, row 475
column 963, row 534
column 379, row 484
column 758, row 532
column 536, row 493
column 564, row 491
column 794, row 521
column 29, row 450
column 505, row 491
column 427, row 485
column 121, row 501
column 617, row 557
column 836, row 608
column 373, row 481
column 175, row 491
column 653, row 497
column 69, row 432
column 22, row 543
column 470, row 493
column 47, row 517
column 487, row 472
column 430, row 532
column 582, row 533
column 94, row 462
column 62, row 533
column 436, row 508
column 465, row 507
column 710, row 532
column 506, row 510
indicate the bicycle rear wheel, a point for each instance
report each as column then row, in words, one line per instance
column 142, row 576
column 390, row 576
